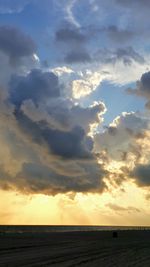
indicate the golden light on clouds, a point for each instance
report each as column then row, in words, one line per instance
column 75, row 113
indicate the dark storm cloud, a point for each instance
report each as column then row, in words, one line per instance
column 61, row 162
column 56, row 131
column 71, row 142
column 38, row 178
column 37, row 85
column 15, row 43
column 142, row 88
column 67, row 144
column 77, row 57
column 141, row 173
column 47, row 160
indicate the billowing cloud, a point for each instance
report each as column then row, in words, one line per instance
column 88, row 117
column 125, row 146
column 80, row 84
column 64, row 115
column 66, row 166
column 15, row 43
column 37, row 85
column 49, row 138
column 57, row 143
column 143, row 86
column 120, row 136
column 68, row 144
column 55, row 137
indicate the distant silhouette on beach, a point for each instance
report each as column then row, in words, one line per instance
column 115, row 234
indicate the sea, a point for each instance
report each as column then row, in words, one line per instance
column 19, row 229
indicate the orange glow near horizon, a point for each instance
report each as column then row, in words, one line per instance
column 76, row 209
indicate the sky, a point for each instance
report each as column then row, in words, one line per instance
column 75, row 112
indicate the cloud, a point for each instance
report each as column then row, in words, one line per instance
column 65, row 115
column 77, row 57
column 141, row 173
column 142, row 88
column 127, row 55
column 124, row 150
column 69, row 12
column 64, row 164
column 4, row 179
column 41, row 158
column 49, row 142
column 119, row 208
column 120, row 136
column 80, row 40
column 71, row 35
column 80, row 84
column 73, row 41
column 67, row 144
column 118, row 35
column 89, row 116
column 15, row 43
column 112, row 42
column 53, row 142
column 21, row 67
column 87, row 82
column 39, row 96
column 37, row 85
column 37, row 178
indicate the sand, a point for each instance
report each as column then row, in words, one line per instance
column 131, row 248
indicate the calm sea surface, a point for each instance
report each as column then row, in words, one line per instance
column 53, row 228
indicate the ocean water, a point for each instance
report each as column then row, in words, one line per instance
column 64, row 228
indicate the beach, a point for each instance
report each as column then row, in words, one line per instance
column 92, row 248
